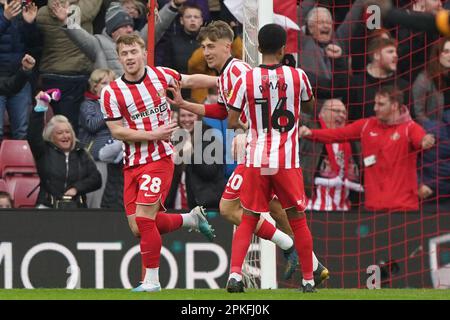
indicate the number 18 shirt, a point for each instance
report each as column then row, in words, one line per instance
column 271, row 97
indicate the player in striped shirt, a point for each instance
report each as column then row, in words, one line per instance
column 271, row 96
column 216, row 39
column 137, row 113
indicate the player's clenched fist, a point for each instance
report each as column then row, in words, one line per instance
column 304, row 131
column 28, row 62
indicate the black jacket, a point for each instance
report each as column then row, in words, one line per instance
column 82, row 173
column 204, row 182
column 11, row 85
column 364, row 88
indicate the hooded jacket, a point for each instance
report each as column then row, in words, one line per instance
column 390, row 183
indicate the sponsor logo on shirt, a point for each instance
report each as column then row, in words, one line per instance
column 147, row 113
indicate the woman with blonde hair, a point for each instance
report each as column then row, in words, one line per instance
column 66, row 170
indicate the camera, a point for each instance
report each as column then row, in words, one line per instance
column 24, row 2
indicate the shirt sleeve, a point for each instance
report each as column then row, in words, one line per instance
column 171, row 75
column 416, row 134
column 349, row 132
column 216, row 111
column 238, row 98
column 109, row 105
column 305, row 88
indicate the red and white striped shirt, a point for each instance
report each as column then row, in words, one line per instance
column 141, row 105
column 329, row 197
column 271, row 98
column 232, row 70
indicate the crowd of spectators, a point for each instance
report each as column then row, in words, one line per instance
column 347, row 62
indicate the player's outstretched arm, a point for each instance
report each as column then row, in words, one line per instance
column 198, row 81
column 119, row 132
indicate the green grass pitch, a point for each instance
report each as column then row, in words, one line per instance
column 221, row 294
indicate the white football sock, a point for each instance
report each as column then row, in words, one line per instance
column 315, row 262
column 236, row 276
column 282, row 240
column 151, row 276
column 189, row 220
column 311, row 282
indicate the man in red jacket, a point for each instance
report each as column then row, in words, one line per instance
column 390, row 142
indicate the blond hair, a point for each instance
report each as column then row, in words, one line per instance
column 47, row 134
column 130, row 39
column 216, row 30
column 97, row 76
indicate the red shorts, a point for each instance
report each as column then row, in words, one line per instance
column 257, row 190
column 233, row 188
column 147, row 183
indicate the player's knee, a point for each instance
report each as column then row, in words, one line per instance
column 276, row 210
column 292, row 213
column 223, row 209
column 135, row 231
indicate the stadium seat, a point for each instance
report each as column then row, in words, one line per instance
column 24, row 190
column 16, row 157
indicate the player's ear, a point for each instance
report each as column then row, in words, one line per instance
column 376, row 55
column 281, row 52
column 145, row 55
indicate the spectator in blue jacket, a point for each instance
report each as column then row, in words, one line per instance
column 18, row 35
column 93, row 132
column 435, row 166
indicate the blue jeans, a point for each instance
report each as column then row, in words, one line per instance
column 18, row 107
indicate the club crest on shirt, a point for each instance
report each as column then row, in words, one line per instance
column 395, row 136
column 228, row 94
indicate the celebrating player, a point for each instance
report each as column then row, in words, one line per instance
column 137, row 113
column 216, row 39
column 271, row 96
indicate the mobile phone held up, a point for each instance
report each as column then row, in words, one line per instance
column 24, row 2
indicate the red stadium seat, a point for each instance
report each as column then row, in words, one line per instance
column 16, row 157
column 24, row 190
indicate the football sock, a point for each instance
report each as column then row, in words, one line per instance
column 152, row 276
column 150, row 242
column 166, row 222
column 303, row 244
column 241, row 242
column 236, row 276
column 315, row 262
column 268, row 231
